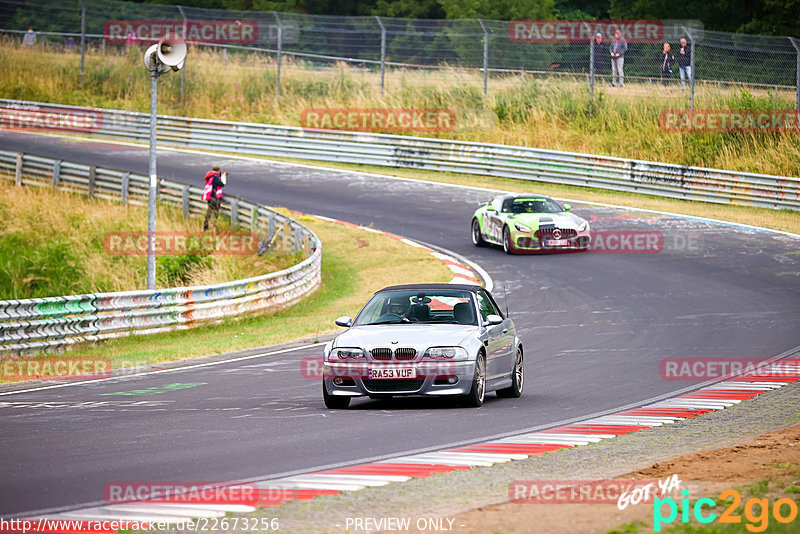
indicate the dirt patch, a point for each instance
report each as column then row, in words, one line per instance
column 771, row 462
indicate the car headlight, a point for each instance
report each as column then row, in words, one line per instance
column 521, row 227
column 446, row 353
column 584, row 226
column 346, row 353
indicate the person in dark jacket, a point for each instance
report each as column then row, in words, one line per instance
column 684, row 57
column 667, row 59
column 212, row 193
column 602, row 59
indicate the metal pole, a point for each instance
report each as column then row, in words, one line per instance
column 691, row 67
column 83, row 38
column 485, row 57
column 280, row 54
column 591, row 64
column 383, row 51
column 797, row 80
column 151, row 204
column 183, row 70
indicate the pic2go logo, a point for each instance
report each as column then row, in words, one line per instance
column 757, row 521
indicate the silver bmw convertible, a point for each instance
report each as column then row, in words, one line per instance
column 424, row 339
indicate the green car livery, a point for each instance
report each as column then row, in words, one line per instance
column 525, row 223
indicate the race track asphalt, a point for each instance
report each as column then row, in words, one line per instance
column 595, row 329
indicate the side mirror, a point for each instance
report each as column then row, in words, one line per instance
column 490, row 208
column 345, row 321
column 567, row 207
column 493, row 319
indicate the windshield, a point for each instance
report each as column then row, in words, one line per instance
column 407, row 307
column 531, row 205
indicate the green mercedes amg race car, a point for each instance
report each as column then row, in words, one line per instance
column 527, row 223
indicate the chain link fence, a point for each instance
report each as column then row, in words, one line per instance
column 473, row 53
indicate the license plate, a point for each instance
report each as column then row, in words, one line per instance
column 392, row 372
column 556, row 242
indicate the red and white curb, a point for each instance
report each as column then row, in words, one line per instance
column 462, row 274
column 308, row 486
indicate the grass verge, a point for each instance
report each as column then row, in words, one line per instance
column 54, row 243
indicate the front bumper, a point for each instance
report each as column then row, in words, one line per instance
column 351, row 379
column 526, row 242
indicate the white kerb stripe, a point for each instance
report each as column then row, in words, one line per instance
column 198, row 511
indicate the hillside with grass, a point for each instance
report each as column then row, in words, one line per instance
column 54, row 243
column 552, row 113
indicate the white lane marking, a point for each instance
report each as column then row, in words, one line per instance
column 193, row 366
column 103, row 513
column 560, row 435
column 624, row 422
column 540, row 441
column 632, row 419
column 430, row 461
column 361, row 480
column 696, row 404
column 479, row 456
column 460, row 270
column 204, row 506
column 566, row 439
column 435, row 458
column 744, row 386
column 196, row 511
column 344, row 483
column 274, row 484
column 58, row 405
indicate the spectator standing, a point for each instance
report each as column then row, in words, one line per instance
column 70, row 45
column 212, row 193
column 685, row 63
column 617, row 49
column 601, row 58
column 667, row 59
column 131, row 39
column 29, row 39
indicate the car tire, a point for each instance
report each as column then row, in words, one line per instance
column 476, row 395
column 508, row 246
column 517, row 379
column 333, row 402
column 477, row 238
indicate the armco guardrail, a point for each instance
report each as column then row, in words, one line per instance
column 619, row 174
column 37, row 325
